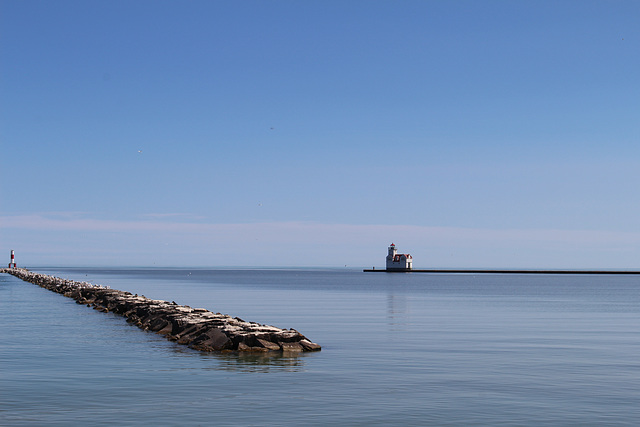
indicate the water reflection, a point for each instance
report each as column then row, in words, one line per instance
column 397, row 312
column 258, row 362
column 240, row 361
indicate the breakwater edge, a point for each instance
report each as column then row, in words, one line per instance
column 197, row 328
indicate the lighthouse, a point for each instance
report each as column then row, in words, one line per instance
column 12, row 264
column 398, row 262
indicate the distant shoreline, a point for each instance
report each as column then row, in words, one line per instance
column 481, row 271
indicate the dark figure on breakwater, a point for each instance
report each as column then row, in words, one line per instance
column 197, row 328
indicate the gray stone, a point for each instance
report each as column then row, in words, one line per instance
column 291, row 346
column 268, row 344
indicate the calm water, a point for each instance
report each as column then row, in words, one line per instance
column 398, row 349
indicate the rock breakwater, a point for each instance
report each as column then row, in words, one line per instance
column 197, row 328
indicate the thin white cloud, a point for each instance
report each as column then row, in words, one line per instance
column 176, row 215
column 320, row 232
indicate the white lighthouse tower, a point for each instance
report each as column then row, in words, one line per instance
column 398, row 262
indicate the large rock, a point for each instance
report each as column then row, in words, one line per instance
column 212, row 340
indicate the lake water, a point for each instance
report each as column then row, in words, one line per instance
column 398, row 349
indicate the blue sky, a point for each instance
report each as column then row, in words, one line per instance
column 315, row 133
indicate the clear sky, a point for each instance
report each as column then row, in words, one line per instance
column 315, row 133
